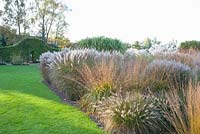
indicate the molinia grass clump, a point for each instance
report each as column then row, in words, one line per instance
column 184, row 114
column 102, row 78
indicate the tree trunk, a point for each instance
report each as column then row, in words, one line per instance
column 19, row 28
column 43, row 28
column 50, row 27
column 18, row 18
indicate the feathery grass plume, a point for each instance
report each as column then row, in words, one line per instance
column 176, row 56
column 64, row 74
column 45, row 60
column 136, row 52
column 190, row 58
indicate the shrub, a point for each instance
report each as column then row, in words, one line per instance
column 190, row 45
column 161, row 74
column 102, row 44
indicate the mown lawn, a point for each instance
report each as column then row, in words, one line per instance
column 27, row 106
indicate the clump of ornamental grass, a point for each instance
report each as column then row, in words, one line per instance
column 133, row 73
column 135, row 116
column 101, row 79
column 184, row 114
column 45, row 60
column 64, row 75
column 176, row 114
column 102, row 44
column 193, row 104
column 132, row 113
column 161, row 74
column 184, row 58
column 190, row 58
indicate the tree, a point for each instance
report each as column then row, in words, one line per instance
column 14, row 13
column 7, row 35
column 61, row 26
column 1, row 13
column 147, row 43
column 136, row 45
column 60, row 29
column 46, row 13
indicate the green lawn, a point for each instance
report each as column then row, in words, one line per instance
column 27, row 106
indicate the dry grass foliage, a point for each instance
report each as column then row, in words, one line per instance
column 184, row 114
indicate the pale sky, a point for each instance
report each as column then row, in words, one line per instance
column 131, row 20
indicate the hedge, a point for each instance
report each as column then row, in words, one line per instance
column 190, row 45
column 29, row 49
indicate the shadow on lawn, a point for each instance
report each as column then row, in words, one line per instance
column 25, row 79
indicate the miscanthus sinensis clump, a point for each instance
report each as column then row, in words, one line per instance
column 160, row 74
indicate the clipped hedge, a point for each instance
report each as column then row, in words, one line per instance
column 29, row 49
column 102, row 43
column 190, row 45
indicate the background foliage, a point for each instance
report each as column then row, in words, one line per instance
column 29, row 49
column 190, row 45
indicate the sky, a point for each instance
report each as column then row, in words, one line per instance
column 131, row 20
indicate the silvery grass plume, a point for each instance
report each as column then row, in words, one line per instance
column 50, row 57
column 190, row 59
column 163, row 48
column 136, row 52
column 167, row 64
column 47, row 58
column 75, row 56
column 78, row 56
